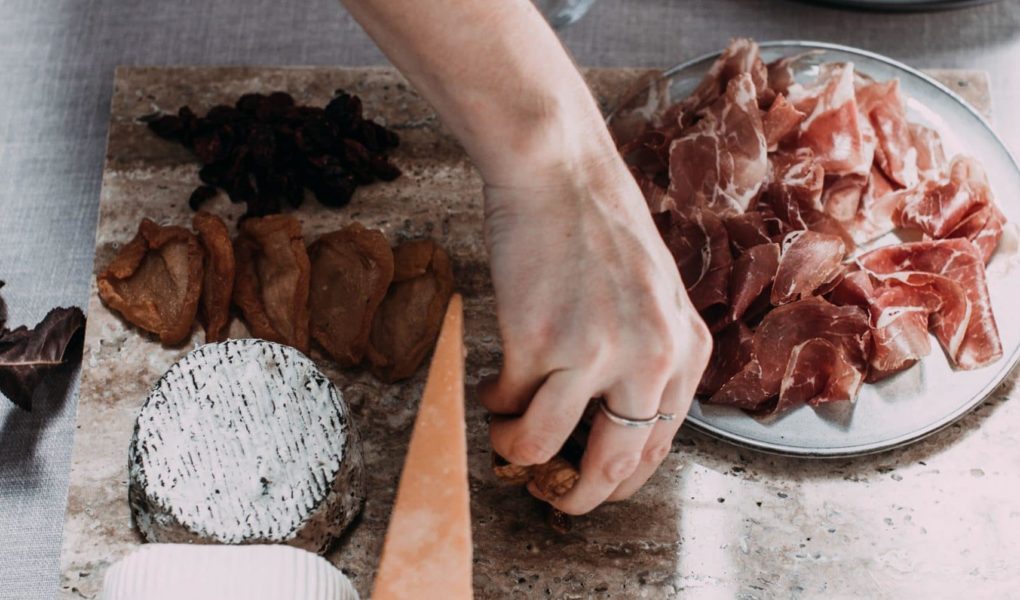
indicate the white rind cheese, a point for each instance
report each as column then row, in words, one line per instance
column 245, row 442
column 205, row 572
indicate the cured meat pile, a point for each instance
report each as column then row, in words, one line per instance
column 764, row 189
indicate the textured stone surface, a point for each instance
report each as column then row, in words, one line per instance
column 715, row 522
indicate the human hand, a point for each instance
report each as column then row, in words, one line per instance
column 590, row 304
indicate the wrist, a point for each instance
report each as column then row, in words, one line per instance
column 550, row 143
column 570, row 183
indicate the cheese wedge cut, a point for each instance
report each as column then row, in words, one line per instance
column 427, row 553
column 210, row 572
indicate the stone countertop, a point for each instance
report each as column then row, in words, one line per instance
column 716, row 522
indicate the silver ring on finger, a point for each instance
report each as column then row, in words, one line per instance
column 626, row 421
column 666, row 416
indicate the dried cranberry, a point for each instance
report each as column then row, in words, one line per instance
column 384, row 169
column 334, row 191
column 167, row 127
column 213, row 174
column 344, row 110
column 265, row 150
column 199, row 197
column 261, row 144
column 241, row 190
column 387, row 137
column 207, row 148
column 221, row 114
column 293, row 189
column 249, row 103
column 274, row 106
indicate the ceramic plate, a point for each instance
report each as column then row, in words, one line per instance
column 930, row 395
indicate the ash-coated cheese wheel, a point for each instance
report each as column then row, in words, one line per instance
column 245, row 442
column 205, row 572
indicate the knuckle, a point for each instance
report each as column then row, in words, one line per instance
column 588, row 353
column 535, row 334
column 654, row 454
column 662, row 358
column 700, row 332
column 621, row 467
column 592, row 353
column 701, row 341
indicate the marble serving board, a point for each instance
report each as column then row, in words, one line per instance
column 715, row 522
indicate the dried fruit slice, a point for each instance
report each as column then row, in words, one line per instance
column 351, row 271
column 408, row 320
column 155, row 281
column 271, row 284
column 218, row 281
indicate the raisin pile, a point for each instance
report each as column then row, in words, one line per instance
column 265, row 150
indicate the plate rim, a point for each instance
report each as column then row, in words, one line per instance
column 854, row 450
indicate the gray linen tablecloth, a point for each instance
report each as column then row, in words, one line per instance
column 56, row 66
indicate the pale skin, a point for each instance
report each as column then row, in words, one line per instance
column 589, row 300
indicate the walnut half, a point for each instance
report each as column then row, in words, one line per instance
column 547, row 481
column 551, row 480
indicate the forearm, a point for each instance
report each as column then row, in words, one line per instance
column 499, row 80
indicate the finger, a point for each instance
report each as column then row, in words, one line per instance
column 677, row 400
column 506, row 393
column 537, row 435
column 656, row 449
column 613, row 453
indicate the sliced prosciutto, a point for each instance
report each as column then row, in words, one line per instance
column 720, row 162
column 654, row 194
column 753, row 274
column 817, row 372
column 730, row 352
column 809, row 260
column 780, row 334
column 781, row 119
column 879, row 208
column 969, row 334
column 842, row 196
column 898, row 345
column 906, row 301
column 983, row 228
column 886, row 111
column 797, row 177
column 943, row 206
column 833, row 128
column 741, row 57
column 899, row 317
column 700, row 245
column 931, row 159
column 762, row 185
column 822, row 223
column 780, row 74
column 645, row 106
column 747, row 230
